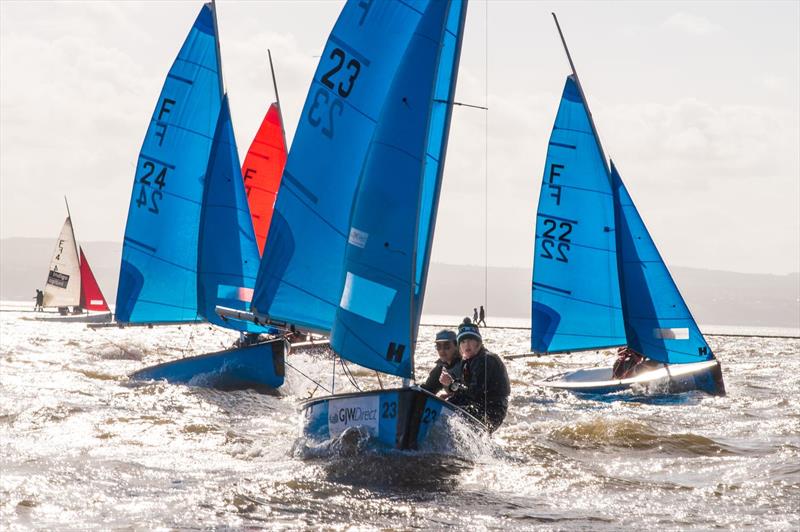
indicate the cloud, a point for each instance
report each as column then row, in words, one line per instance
column 689, row 23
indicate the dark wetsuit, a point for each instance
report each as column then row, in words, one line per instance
column 432, row 383
column 473, row 394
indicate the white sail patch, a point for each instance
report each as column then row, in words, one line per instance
column 353, row 412
column 671, row 334
column 366, row 298
column 358, row 238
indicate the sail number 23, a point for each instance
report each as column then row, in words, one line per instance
column 555, row 239
column 339, row 80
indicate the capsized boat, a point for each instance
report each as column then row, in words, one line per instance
column 71, row 283
column 598, row 278
column 350, row 240
column 189, row 243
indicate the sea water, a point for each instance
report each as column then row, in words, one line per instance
column 82, row 448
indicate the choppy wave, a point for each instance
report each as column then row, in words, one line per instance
column 85, row 448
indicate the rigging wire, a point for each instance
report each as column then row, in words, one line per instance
column 349, row 375
column 486, row 204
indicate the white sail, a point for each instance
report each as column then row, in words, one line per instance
column 63, row 287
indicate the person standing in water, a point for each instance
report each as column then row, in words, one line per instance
column 482, row 320
column 39, row 307
column 475, row 315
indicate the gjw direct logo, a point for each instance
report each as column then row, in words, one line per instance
column 353, row 415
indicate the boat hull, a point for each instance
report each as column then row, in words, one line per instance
column 103, row 317
column 664, row 379
column 259, row 367
column 401, row 418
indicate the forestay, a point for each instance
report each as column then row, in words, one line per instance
column 63, row 286
column 262, row 169
column 657, row 321
column 575, row 292
column 300, row 277
column 228, row 253
column 387, row 256
column 158, row 277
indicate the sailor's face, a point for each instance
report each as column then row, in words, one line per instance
column 469, row 347
column 447, row 351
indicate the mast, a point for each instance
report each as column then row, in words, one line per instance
column 74, row 241
column 583, row 96
column 217, row 46
column 277, row 98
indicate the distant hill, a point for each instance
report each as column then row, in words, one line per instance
column 715, row 297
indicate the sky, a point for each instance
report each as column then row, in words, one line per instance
column 697, row 103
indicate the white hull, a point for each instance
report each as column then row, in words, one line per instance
column 676, row 378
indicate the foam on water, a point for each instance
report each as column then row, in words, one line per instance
column 84, row 448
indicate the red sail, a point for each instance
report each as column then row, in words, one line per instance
column 262, row 170
column 91, row 296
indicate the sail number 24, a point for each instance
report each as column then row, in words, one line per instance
column 151, row 178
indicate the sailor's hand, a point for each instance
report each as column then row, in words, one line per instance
column 445, row 379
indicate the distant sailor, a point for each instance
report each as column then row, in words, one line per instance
column 475, row 315
column 482, row 319
column 39, row 300
column 484, row 388
column 449, row 361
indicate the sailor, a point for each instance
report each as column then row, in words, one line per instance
column 449, row 361
column 484, row 388
column 39, row 300
column 627, row 360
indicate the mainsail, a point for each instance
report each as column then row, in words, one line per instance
column 91, row 295
column 387, row 256
column 262, row 170
column 657, row 321
column 300, row 277
column 575, row 292
column 63, row 286
column 158, row 275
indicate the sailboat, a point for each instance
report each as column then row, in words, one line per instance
column 598, row 278
column 71, row 283
column 189, row 243
column 349, row 245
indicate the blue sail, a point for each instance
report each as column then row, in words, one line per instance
column 300, row 277
column 158, row 274
column 228, row 253
column 575, row 291
column 657, row 321
column 387, row 253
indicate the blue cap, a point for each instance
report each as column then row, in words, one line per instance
column 445, row 335
column 469, row 330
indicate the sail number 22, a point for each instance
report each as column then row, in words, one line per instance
column 555, row 239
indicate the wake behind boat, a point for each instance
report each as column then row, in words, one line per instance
column 598, row 278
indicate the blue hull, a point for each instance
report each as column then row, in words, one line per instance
column 398, row 418
column 259, row 367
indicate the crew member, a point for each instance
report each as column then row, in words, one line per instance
column 449, row 361
column 484, row 388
